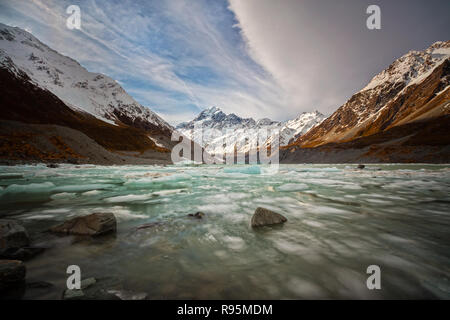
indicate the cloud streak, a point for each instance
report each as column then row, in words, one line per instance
column 257, row 58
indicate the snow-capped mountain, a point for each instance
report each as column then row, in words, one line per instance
column 81, row 90
column 414, row 87
column 214, row 118
column 242, row 132
column 292, row 129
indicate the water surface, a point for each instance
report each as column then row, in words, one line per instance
column 340, row 221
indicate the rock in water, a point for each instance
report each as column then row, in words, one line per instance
column 12, row 272
column 266, row 217
column 93, row 225
column 73, row 295
column 361, row 166
column 79, row 294
column 23, row 254
column 198, row 215
column 128, row 295
column 12, row 236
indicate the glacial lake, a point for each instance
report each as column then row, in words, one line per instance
column 340, row 221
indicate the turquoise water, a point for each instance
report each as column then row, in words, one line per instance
column 340, row 221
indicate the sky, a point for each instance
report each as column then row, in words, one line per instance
column 255, row 58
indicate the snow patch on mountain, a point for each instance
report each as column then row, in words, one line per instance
column 219, row 128
column 80, row 89
column 412, row 67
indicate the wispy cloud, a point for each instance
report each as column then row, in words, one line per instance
column 258, row 58
column 176, row 57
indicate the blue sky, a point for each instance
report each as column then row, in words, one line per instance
column 258, row 58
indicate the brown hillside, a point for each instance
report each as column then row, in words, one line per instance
column 21, row 100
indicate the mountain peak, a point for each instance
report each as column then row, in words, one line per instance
column 232, row 127
column 412, row 66
column 414, row 87
column 94, row 93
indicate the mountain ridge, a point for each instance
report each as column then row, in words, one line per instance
column 365, row 108
column 235, row 129
column 78, row 88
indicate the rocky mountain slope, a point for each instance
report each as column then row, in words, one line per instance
column 238, row 131
column 78, row 88
column 40, row 86
column 402, row 115
column 414, row 87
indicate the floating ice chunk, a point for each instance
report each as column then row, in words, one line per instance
column 234, row 175
column 312, row 223
column 82, row 187
column 270, row 169
column 63, row 195
column 11, row 176
column 236, row 218
column 290, row 247
column 248, row 169
column 292, row 187
column 58, row 210
column 143, row 182
column 416, row 184
column 351, row 187
column 187, row 162
column 378, row 201
column 305, row 288
column 128, row 198
column 222, row 254
column 326, row 209
column 38, row 216
column 237, row 196
column 29, row 188
column 156, row 201
column 332, row 169
column 234, row 243
column 324, row 181
column 174, row 177
column 122, row 213
column 226, row 197
column 91, row 193
column 168, row 192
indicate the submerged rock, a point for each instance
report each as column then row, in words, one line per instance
column 266, row 217
column 86, row 283
column 92, row 289
column 39, row 285
column 197, row 215
column 12, row 236
column 24, row 253
column 14, row 242
column 73, row 294
column 128, row 295
column 12, row 273
column 76, row 294
column 149, row 225
column 93, row 225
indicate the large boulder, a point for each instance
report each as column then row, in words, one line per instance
column 23, row 254
column 266, row 217
column 14, row 242
column 12, row 236
column 91, row 225
column 12, row 273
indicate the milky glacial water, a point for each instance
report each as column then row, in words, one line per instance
column 340, row 221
